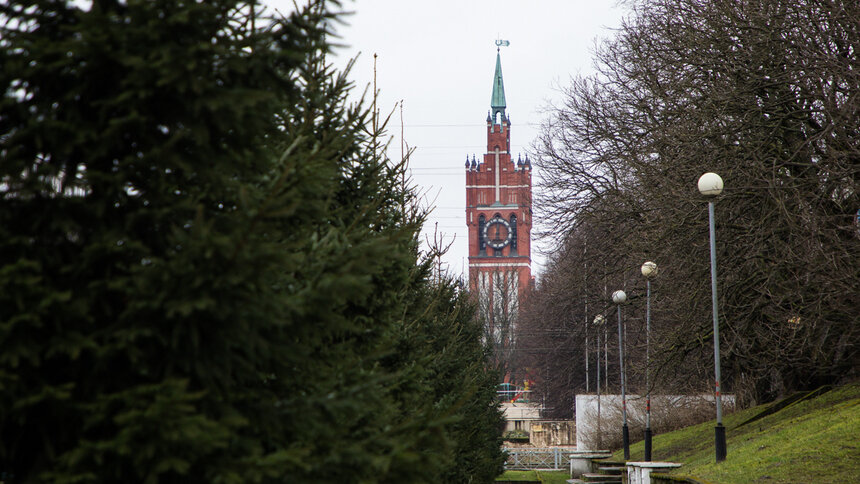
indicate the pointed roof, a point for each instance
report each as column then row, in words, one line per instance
column 497, row 102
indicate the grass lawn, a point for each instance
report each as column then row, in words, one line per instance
column 518, row 476
column 553, row 477
column 545, row 477
column 812, row 440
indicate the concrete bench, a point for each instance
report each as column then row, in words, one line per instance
column 581, row 461
column 640, row 472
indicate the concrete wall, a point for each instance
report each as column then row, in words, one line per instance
column 662, row 407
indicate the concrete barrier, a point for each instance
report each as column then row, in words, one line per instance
column 640, row 472
column 581, row 462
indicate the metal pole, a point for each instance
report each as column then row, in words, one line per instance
column 647, row 370
column 606, row 355
column 584, row 285
column 625, row 435
column 626, row 356
column 719, row 430
column 599, row 436
column 605, row 336
column 586, row 353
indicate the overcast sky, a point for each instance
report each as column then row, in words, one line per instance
column 438, row 57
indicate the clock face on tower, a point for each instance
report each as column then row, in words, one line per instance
column 497, row 233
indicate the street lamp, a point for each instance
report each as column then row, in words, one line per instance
column 606, row 356
column 598, row 323
column 711, row 185
column 649, row 270
column 619, row 298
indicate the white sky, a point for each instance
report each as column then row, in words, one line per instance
column 438, row 57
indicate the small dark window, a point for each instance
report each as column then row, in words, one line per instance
column 513, row 233
column 482, row 244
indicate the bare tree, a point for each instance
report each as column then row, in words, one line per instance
column 765, row 93
column 499, row 307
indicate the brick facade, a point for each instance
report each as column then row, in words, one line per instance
column 499, row 187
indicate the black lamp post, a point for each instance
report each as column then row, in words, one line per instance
column 649, row 270
column 599, row 320
column 711, row 185
column 619, row 298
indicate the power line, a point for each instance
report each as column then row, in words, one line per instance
column 467, row 125
column 449, row 168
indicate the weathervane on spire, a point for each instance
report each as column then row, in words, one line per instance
column 497, row 103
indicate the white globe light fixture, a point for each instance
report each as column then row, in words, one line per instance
column 649, row 269
column 619, row 298
column 710, row 184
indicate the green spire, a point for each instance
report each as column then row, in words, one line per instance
column 497, row 103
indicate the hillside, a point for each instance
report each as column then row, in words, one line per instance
column 804, row 438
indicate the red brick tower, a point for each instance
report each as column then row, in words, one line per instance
column 498, row 215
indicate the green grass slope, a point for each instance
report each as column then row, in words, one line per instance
column 810, row 440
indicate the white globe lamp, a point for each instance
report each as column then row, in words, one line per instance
column 649, row 269
column 710, row 184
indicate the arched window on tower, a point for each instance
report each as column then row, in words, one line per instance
column 513, row 234
column 500, row 251
column 482, row 244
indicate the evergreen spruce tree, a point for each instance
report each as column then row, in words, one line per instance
column 140, row 308
column 208, row 271
column 455, row 371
